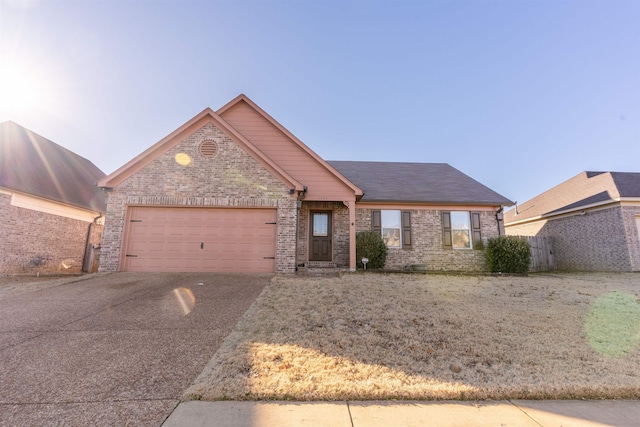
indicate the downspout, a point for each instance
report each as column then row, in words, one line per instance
column 500, row 220
column 86, row 243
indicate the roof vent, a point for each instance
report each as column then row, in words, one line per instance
column 208, row 148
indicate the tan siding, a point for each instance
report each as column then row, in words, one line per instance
column 321, row 183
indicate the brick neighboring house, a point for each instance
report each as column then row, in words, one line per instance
column 49, row 204
column 592, row 218
column 233, row 190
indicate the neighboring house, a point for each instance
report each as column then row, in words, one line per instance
column 593, row 220
column 233, row 190
column 49, row 205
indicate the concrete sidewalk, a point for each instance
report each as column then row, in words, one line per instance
column 535, row 413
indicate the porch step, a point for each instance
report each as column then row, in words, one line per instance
column 320, row 264
column 319, row 268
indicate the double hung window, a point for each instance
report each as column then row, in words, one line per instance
column 461, row 230
column 394, row 226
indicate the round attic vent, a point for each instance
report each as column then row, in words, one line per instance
column 208, row 148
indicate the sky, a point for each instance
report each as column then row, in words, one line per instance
column 521, row 95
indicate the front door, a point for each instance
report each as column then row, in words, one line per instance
column 320, row 239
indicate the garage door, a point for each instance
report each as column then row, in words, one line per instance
column 200, row 240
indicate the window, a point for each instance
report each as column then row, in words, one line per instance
column 394, row 226
column 461, row 230
column 391, row 228
column 320, row 224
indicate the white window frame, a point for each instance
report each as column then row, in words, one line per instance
column 459, row 229
column 392, row 232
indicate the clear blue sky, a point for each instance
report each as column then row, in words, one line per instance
column 520, row 95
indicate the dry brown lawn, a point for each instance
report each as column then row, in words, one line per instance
column 400, row 336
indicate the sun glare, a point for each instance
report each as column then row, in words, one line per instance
column 19, row 89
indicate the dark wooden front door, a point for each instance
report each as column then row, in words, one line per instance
column 320, row 236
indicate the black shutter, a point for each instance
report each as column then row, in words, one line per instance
column 406, row 229
column 475, row 228
column 447, row 239
column 376, row 221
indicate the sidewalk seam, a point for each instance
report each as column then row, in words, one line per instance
column 349, row 412
column 526, row 413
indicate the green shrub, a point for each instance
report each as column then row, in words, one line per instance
column 508, row 254
column 369, row 244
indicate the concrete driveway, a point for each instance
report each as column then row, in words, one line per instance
column 117, row 349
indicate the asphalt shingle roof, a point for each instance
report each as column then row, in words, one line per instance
column 435, row 183
column 582, row 190
column 32, row 164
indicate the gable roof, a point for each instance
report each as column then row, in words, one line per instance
column 242, row 98
column 206, row 116
column 34, row 165
column 584, row 190
column 434, row 183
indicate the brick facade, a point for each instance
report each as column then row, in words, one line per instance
column 230, row 178
column 27, row 234
column 600, row 240
column 427, row 246
column 340, row 231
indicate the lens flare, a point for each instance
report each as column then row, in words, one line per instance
column 185, row 299
column 183, row 159
column 19, row 89
column 612, row 326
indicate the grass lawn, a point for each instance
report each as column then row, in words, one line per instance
column 400, row 336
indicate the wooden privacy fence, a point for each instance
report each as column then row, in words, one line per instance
column 542, row 258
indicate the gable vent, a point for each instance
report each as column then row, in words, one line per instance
column 208, row 148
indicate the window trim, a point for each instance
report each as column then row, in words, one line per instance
column 475, row 230
column 405, row 226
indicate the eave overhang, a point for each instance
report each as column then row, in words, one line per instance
column 243, row 98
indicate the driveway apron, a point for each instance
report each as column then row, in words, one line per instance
column 116, row 349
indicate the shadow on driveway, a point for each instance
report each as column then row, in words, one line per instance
column 114, row 350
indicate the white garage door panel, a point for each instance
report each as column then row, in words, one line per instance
column 201, row 239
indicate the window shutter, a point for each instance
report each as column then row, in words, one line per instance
column 447, row 239
column 376, row 221
column 475, row 228
column 406, row 229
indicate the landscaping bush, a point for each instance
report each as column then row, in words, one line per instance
column 508, row 254
column 369, row 244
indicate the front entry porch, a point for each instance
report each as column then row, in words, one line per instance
column 324, row 232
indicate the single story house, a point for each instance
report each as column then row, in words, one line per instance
column 50, row 205
column 593, row 220
column 233, row 190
